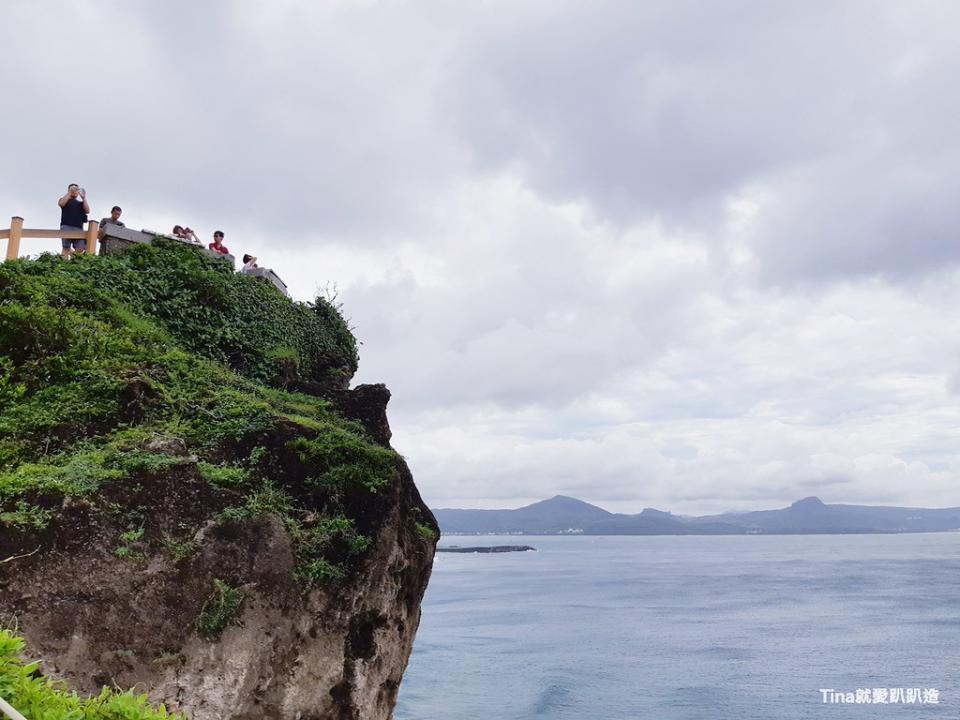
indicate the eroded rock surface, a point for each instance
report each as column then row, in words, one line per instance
column 338, row 651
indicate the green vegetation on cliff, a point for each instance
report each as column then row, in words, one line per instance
column 198, row 299
column 122, row 376
column 40, row 698
column 219, row 610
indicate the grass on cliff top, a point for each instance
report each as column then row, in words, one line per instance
column 207, row 308
column 104, row 358
column 40, row 698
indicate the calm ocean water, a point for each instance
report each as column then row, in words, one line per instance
column 684, row 628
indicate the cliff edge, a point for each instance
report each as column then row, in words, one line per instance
column 192, row 501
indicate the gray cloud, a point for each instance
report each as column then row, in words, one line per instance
column 841, row 113
column 691, row 255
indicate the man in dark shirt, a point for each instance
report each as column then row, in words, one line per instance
column 73, row 216
column 114, row 219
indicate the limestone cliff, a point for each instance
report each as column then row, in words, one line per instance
column 193, row 501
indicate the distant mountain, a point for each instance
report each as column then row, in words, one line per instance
column 811, row 515
column 556, row 515
column 561, row 514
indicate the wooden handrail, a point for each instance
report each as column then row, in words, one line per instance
column 37, row 233
column 17, row 231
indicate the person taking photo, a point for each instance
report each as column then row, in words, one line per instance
column 73, row 216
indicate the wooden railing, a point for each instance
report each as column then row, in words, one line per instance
column 18, row 231
column 124, row 235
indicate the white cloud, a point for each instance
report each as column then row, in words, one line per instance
column 693, row 256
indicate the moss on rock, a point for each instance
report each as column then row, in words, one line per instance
column 119, row 371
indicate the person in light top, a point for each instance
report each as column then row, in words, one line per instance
column 249, row 263
column 217, row 244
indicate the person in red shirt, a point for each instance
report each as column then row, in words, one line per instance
column 217, row 244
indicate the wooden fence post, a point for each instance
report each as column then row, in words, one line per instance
column 13, row 243
column 92, row 228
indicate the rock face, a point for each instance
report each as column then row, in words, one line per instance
column 368, row 405
column 192, row 500
column 338, row 651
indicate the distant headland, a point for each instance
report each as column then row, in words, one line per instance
column 561, row 515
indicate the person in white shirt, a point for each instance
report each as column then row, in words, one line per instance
column 182, row 233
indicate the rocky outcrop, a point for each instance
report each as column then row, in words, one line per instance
column 99, row 618
column 192, row 500
column 368, row 405
column 338, row 652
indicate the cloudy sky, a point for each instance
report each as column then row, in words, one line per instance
column 697, row 256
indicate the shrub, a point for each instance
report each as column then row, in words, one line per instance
column 325, row 549
column 199, row 301
column 26, row 517
column 179, row 549
column 345, row 459
column 219, row 610
column 225, row 476
column 425, row 531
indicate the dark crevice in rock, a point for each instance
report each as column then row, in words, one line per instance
column 361, row 644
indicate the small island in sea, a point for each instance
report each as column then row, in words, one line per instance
column 485, row 549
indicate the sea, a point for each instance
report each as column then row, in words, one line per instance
column 690, row 628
